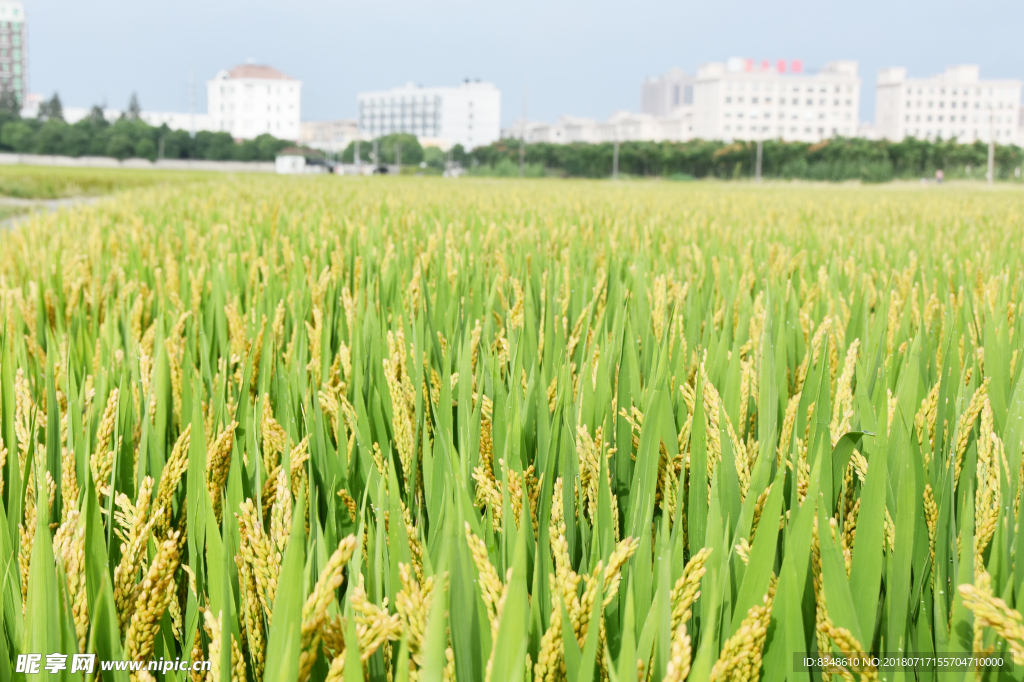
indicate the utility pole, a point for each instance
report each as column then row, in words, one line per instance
column 355, row 155
column 757, row 167
column 991, row 149
column 615, row 155
column 522, row 136
column 192, row 101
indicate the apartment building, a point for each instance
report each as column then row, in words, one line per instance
column 468, row 114
column 666, row 94
column 744, row 100
column 252, row 99
column 954, row 104
column 13, row 49
column 622, row 126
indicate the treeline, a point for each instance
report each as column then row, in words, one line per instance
column 127, row 137
column 836, row 159
column 404, row 148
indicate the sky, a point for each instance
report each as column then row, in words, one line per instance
column 569, row 56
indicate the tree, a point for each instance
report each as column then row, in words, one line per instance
column 18, row 136
column 96, row 117
column 267, row 147
column 365, row 149
column 214, row 146
column 434, row 157
column 412, row 151
column 120, row 146
column 177, row 145
column 134, row 109
column 145, row 149
column 9, row 104
column 51, row 110
column 459, row 155
column 76, row 141
column 50, row 139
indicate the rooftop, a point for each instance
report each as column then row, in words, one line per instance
column 258, row 71
column 415, row 87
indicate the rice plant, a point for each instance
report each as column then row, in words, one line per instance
column 412, row 430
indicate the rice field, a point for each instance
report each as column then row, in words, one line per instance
column 410, row 429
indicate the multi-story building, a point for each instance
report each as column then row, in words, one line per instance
column 954, row 104
column 328, row 136
column 533, row 131
column 743, row 100
column 13, row 49
column 251, row 99
column 622, row 126
column 469, row 114
column 666, row 94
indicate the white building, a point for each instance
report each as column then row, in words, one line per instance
column 534, row 131
column 328, row 136
column 172, row 119
column 622, row 126
column 955, row 103
column 469, row 114
column 252, row 99
column 13, row 49
column 179, row 121
column 744, row 101
column 666, row 94
column 300, row 161
column 75, row 114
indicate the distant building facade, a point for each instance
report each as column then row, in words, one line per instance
column 744, row 100
column 666, row 94
column 252, row 99
column 328, row 136
column 468, row 114
column 622, row 126
column 172, row 119
column 178, row 121
column 956, row 103
column 13, row 49
column 736, row 100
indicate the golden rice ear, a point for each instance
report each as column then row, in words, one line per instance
column 331, row 428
